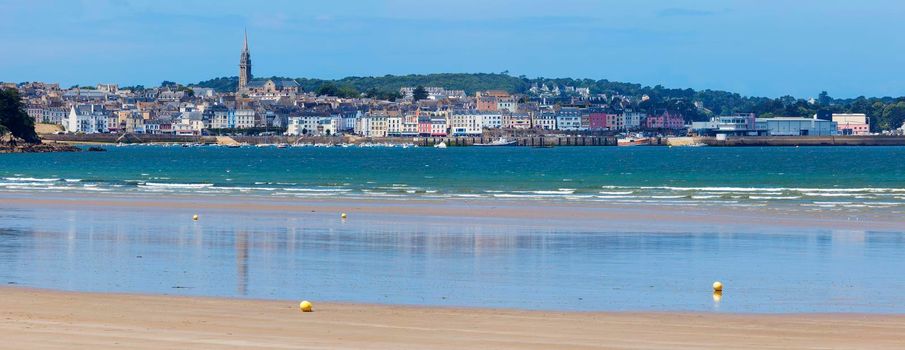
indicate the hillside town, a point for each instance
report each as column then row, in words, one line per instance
column 280, row 106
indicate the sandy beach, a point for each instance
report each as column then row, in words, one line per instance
column 37, row 319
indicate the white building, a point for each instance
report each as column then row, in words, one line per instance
column 466, row 124
column 245, row 118
column 545, row 120
column 88, row 119
column 319, row 125
column 507, row 104
column 189, row 123
column 632, row 120
column 223, row 120
column 568, row 118
column 794, row 126
column 491, row 120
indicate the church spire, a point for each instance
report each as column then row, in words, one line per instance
column 246, row 41
column 245, row 65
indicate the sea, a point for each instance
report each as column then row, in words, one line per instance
column 817, row 177
column 462, row 262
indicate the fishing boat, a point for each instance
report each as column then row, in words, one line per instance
column 633, row 141
column 440, row 145
column 498, row 142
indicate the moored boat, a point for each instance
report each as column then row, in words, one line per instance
column 498, row 142
column 633, row 141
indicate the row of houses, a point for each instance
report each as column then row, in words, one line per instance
column 475, row 122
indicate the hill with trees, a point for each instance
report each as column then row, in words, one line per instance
column 886, row 113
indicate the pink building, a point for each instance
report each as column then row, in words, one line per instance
column 666, row 120
column 852, row 124
column 424, row 126
column 597, row 120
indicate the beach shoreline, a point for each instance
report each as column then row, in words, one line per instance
column 538, row 213
column 44, row 319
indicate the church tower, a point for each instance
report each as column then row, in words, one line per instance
column 245, row 66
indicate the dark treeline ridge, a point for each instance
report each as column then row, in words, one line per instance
column 886, row 113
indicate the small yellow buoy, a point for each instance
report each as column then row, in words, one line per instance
column 343, row 215
column 717, row 296
column 305, row 306
column 717, row 286
column 195, row 217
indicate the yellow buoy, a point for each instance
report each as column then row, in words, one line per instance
column 717, row 296
column 717, row 286
column 195, row 217
column 343, row 215
column 305, row 306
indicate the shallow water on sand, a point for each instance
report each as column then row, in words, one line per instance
column 439, row 261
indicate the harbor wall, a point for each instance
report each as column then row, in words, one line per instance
column 873, row 140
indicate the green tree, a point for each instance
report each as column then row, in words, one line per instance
column 893, row 116
column 327, row 89
column 14, row 118
column 420, row 93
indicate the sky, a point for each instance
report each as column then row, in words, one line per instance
column 762, row 48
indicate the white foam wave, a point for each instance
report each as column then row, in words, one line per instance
column 31, row 179
column 173, row 185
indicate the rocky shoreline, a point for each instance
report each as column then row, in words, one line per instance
column 9, row 144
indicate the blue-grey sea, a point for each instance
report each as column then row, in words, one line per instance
column 455, row 262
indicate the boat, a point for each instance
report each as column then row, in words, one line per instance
column 440, row 145
column 498, row 142
column 633, row 141
column 283, row 145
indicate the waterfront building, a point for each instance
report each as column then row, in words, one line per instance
column 466, row 124
column 491, row 120
column 394, row 126
column 852, row 124
column 665, row 120
column 597, row 119
column 223, row 119
column 519, row 121
column 189, row 124
column 87, row 119
column 615, row 121
column 795, row 126
column 438, row 127
column 545, row 120
column 569, row 119
column 244, row 119
column 53, row 115
column 740, row 124
column 632, row 120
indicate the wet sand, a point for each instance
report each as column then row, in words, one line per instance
column 38, row 319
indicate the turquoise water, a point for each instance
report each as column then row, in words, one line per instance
column 828, row 177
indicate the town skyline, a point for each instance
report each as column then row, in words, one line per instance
column 677, row 46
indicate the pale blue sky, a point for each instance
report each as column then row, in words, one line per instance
column 765, row 47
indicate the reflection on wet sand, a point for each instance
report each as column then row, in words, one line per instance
column 451, row 262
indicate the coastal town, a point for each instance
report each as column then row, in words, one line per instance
column 281, row 107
